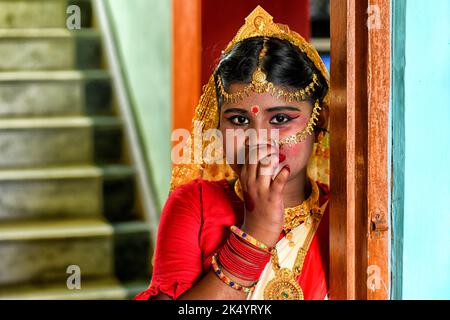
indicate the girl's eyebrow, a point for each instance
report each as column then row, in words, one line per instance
column 271, row 109
column 291, row 108
column 238, row 110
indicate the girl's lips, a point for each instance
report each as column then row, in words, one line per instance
column 281, row 157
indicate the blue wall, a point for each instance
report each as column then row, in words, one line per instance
column 421, row 149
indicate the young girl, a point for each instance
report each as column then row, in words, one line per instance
column 253, row 229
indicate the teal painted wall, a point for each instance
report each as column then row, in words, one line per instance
column 397, row 148
column 421, row 148
column 143, row 33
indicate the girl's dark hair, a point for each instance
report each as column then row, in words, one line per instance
column 284, row 64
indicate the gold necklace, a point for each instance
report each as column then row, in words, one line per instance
column 284, row 285
column 293, row 216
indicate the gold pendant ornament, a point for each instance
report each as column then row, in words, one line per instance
column 283, row 287
column 289, row 237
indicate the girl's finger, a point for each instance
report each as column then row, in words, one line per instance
column 265, row 171
column 258, row 155
column 280, row 180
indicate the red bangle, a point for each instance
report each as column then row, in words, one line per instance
column 245, row 267
column 241, row 260
column 243, row 250
column 237, row 268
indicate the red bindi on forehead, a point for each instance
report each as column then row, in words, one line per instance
column 255, row 109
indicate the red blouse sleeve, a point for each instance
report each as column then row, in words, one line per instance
column 177, row 261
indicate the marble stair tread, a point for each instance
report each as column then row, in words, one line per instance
column 60, row 141
column 40, row 251
column 59, row 122
column 57, row 229
column 83, row 171
column 41, row 13
column 99, row 289
column 50, row 49
column 47, row 33
column 67, row 192
column 25, row 93
column 68, row 228
column 59, row 75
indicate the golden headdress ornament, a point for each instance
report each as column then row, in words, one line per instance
column 258, row 24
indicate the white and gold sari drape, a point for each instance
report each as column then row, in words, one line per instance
column 302, row 236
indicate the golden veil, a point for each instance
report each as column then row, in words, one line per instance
column 258, row 24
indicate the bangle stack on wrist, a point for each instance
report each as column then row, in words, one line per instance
column 242, row 256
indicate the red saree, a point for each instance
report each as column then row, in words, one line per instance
column 195, row 223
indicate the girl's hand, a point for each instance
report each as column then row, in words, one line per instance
column 263, row 196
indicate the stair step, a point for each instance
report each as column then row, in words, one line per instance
column 59, row 141
column 65, row 192
column 47, row 33
column 58, row 122
column 102, row 289
column 41, row 251
column 54, row 93
column 46, row 76
column 64, row 173
column 49, row 49
column 57, row 229
column 67, row 228
column 41, row 13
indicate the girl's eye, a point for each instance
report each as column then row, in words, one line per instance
column 280, row 119
column 238, row 120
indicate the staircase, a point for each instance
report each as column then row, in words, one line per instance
column 67, row 189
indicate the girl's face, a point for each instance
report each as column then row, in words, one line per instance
column 264, row 111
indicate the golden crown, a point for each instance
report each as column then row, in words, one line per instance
column 260, row 24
